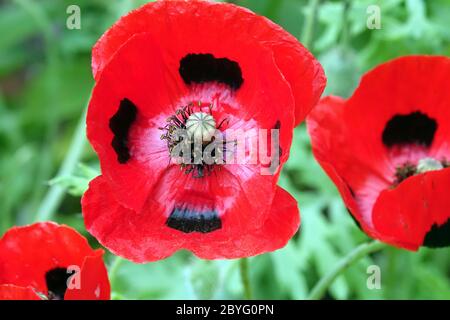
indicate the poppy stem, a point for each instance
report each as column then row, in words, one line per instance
column 56, row 192
column 358, row 253
column 243, row 268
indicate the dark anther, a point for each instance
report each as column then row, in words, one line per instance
column 200, row 68
column 404, row 172
column 120, row 125
column 414, row 128
column 438, row 236
column 187, row 221
column 56, row 280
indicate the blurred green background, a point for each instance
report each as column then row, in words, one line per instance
column 45, row 81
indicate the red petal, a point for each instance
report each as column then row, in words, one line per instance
column 144, row 236
column 11, row 292
column 404, row 215
column 332, row 148
column 282, row 223
column 59, row 247
column 94, row 282
column 206, row 26
column 144, row 84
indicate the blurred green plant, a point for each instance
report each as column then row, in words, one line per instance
column 45, row 80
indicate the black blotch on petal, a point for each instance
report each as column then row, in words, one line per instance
column 120, row 125
column 414, row 128
column 438, row 236
column 201, row 68
column 56, row 280
column 188, row 221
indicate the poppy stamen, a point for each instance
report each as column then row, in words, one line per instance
column 423, row 165
column 194, row 127
column 403, row 172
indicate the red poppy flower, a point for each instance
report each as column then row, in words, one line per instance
column 208, row 68
column 49, row 261
column 387, row 149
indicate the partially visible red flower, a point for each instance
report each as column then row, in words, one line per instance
column 175, row 64
column 49, row 261
column 387, row 149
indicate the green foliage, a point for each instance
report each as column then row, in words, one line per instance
column 45, row 82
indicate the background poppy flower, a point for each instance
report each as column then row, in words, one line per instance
column 387, row 148
column 34, row 262
column 157, row 67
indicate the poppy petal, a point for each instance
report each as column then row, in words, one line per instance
column 282, row 223
column 334, row 153
column 12, row 292
column 403, row 216
column 226, row 26
column 144, row 86
column 94, row 282
column 145, row 236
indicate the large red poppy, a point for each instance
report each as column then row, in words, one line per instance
column 387, row 148
column 155, row 69
column 40, row 260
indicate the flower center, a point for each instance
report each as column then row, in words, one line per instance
column 424, row 165
column 194, row 140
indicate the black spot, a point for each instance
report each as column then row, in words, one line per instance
column 200, row 68
column 414, row 128
column 438, row 236
column 56, row 280
column 187, row 221
column 120, row 125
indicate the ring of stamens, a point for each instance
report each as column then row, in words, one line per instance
column 199, row 126
column 409, row 169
